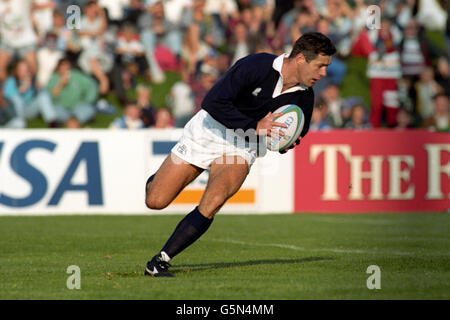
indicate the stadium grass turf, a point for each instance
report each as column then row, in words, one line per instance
column 300, row 256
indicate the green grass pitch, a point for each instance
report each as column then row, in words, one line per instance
column 291, row 257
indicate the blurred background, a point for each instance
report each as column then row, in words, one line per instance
column 133, row 64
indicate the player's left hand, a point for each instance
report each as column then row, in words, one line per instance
column 292, row 146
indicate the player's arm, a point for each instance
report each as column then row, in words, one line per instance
column 218, row 102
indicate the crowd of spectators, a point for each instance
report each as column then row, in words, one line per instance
column 63, row 64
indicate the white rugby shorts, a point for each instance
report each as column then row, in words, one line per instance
column 204, row 140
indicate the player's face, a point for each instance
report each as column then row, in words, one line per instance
column 308, row 73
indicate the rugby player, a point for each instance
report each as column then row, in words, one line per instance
column 243, row 99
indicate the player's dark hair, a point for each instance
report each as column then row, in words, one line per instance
column 311, row 44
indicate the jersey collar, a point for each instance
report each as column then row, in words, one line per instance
column 277, row 64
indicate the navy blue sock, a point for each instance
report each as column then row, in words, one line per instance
column 150, row 179
column 187, row 232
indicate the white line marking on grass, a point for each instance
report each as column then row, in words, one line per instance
column 296, row 248
column 359, row 220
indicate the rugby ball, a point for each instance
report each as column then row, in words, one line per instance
column 294, row 119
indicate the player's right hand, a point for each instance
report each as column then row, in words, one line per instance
column 266, row 125
column 296, row 143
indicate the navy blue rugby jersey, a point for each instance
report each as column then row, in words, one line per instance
column 244, row 95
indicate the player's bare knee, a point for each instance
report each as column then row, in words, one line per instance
column 155, row 202
column 210, row 207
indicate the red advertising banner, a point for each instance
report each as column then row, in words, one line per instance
column 346, row 171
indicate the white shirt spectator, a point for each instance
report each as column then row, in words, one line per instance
column 133, row 45
column 115, row 8
column 215, row 6
column 173, row 9
column 431, row 15
column 181, row 99
column 91, row 26
column 16, row 28
column 43, row 18
column 47, row 59
column 385, row 67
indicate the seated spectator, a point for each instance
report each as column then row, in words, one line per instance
column 220, row 9
column 156, row 30
column 304, row 22
column 404, row 119
column 416, row 53
column 341, row 16
column 130, row 61
column 403, row 11
column 163, row 119
column 414, row 50
column 8, row 117
column 426, row 89
column 124, row 80
column 347, row 112
column 28, row 102
column 259, row 26
column 323, row 26
column 115, row 10
column 239, row 46
column 72, row 123
column 130, row 119
column 208, row 77
column 384, row 69
column 133, row 11
column 166, row 60
column 94, row 58
column 208, row 27
column 18, row 38
column 358, row 118
column 201, row 33
column 334, row 102
column 447, row 32
column 300, row 19
column 42, row 12
column 47, row 58
column 129, row 48
column 443, row 75
column 319, row 117
column 338, row 69
column 404, row 97
column 144, row 102
column 440, row 119
column 289, row 17
column 211, row 61
column 73, row 93
column 431, row 14
column 66, row 40
column 181, row 100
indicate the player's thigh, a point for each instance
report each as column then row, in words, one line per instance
column 173, row 175
column 227, row 174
